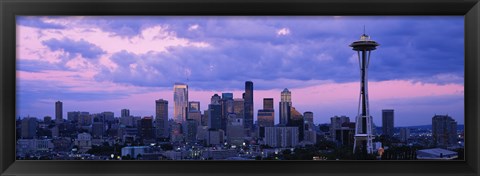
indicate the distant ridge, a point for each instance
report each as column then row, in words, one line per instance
column 459, row 127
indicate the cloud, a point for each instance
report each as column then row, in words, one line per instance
column 193, row 27
column 82, row 55
column 37, row 23
column 81, row 47
column 283, row 31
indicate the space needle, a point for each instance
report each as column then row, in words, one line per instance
column 363, row 126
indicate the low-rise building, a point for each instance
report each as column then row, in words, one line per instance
column 436, row 154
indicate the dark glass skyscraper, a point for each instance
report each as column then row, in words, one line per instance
column 248, row 122
column 387, row 122
column 125, row 113
column 215, row 116
column 58, row 112
column 215, row 113
column 227, row 108
column 161, row 118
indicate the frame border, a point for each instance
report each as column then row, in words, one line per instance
column 470, row 9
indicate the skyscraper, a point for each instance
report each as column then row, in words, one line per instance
column 215, row 113
column 238, row 107
column 190, row 130
column 161, row 118
column 146, row 127
column 125, row 113
column 308, row 117
column 248, row 122
column 444, row 130
column 58, row 112
column 387, row 122
column 363, row 129
column 227, row 108
column 215, row 99
column 284, row 106
column 268, row 103
column 180, row 100
column 265, row 118
column 194, row 112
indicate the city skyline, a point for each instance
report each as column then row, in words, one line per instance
column 65, row 67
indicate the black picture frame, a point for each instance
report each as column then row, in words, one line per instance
column 470, row 9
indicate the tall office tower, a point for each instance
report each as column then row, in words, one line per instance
column 265, row 116
column 387, row 122
column 309, row 133
column 146, row 127
column 125, row 113
column 58, row 112
column 444, row 130
column 296, row 120
column 284, row 106
column 363, row 129
column 215, row 114
column 161, row 118
column 268, row 103
column 180, row 100
column 248, row 122
column 239, row 107
column 29, row 127
column 215, row 99
column 308, row 117
column 227, row 108
column 190, row 130
column 194, row 112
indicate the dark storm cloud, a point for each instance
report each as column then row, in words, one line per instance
column 247, row 48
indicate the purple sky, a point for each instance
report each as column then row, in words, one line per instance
column 98, row 64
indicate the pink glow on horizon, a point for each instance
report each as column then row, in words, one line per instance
column 319, row 96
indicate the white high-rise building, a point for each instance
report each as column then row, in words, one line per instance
column 180, row 100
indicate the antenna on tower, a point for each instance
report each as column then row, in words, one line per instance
column 363, row 29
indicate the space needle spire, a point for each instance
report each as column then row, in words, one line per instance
column 363, row 126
